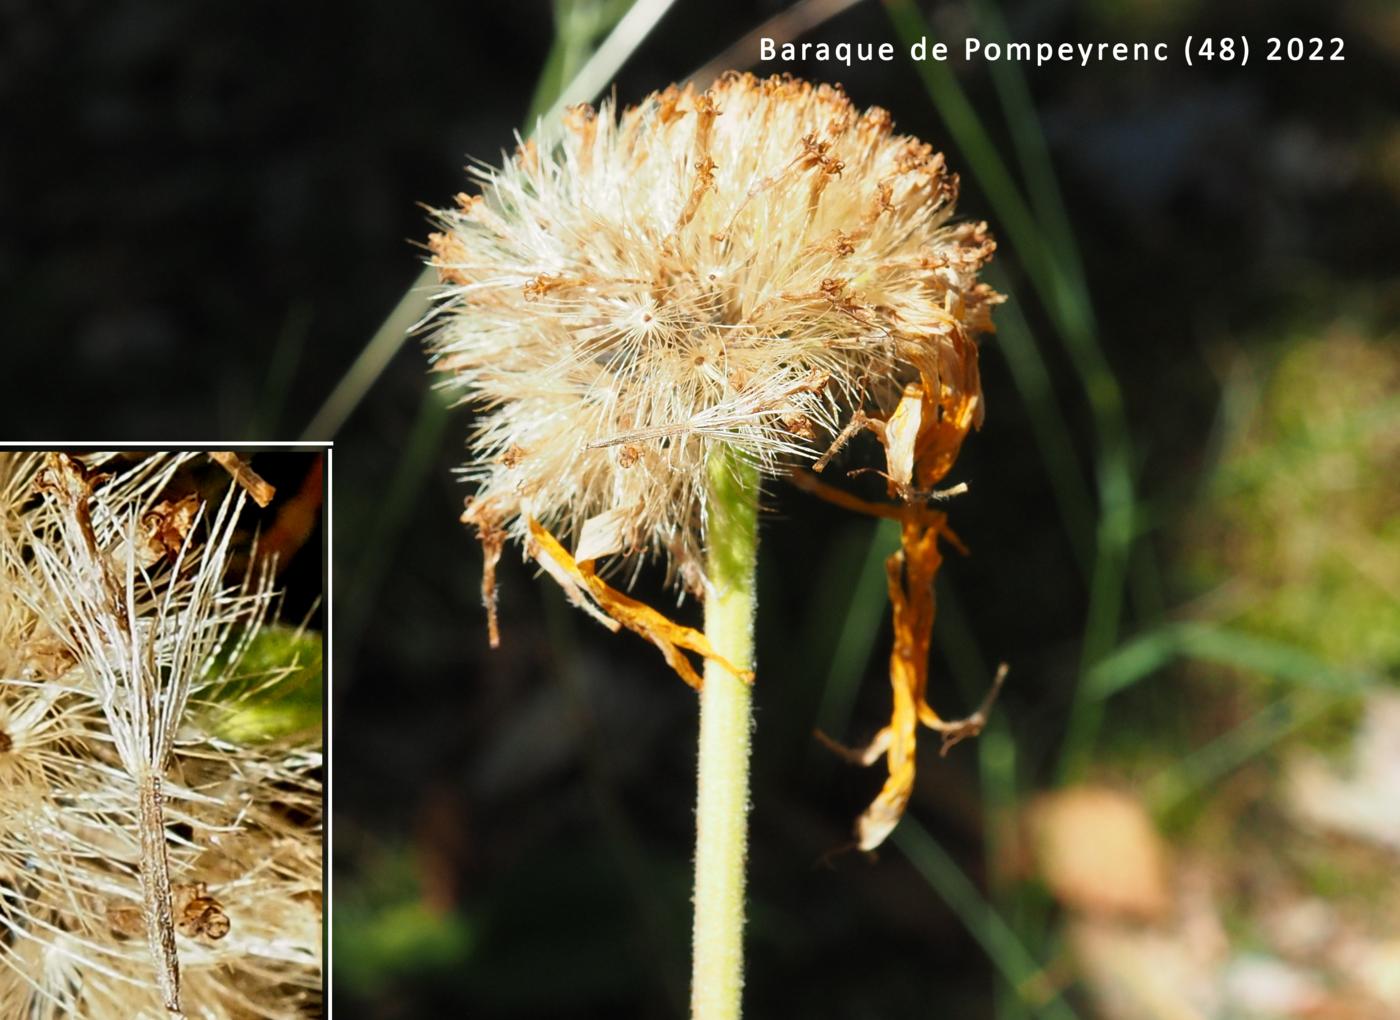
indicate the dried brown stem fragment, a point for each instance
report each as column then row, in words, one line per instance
column 251, row 482
column 493, row 539
column 839, row 497
column 858, row 421
column 70, row 485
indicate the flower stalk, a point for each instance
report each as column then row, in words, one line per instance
column 726, row 719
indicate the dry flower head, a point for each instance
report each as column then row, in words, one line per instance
column 748, row 265
column 759, row 264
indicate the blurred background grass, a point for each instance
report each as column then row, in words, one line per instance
column 1183, row 517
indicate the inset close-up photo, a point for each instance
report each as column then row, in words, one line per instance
column 161, row 734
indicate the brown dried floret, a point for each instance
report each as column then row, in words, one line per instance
column 196, row 914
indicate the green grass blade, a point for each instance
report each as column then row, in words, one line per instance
column 985, row 925
column 859, row 627
column 977, row 147
column 578, row 25
column 1032, row 152
column 370, row 363
column 415, row 462
column 1204, row 767
column 281, row 370
column 1049, row 427
column 1151, row 651
column 996, row 762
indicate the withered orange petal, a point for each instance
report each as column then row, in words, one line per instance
column 617, row 609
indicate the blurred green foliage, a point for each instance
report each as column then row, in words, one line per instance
column 1298, row 531
column 277, row 689
column 385, row 932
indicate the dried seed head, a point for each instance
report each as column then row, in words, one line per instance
column 750, row 265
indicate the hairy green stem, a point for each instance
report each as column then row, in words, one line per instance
column 722, row 802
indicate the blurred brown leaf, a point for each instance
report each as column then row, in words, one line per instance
column 1097, row 850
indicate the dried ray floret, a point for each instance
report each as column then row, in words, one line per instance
column 576, row 575
column 921, row 440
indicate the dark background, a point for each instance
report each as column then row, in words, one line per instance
column 209, row 208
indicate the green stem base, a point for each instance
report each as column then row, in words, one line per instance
column 726, row 720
